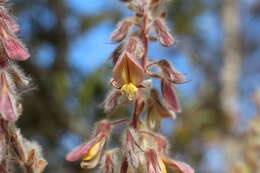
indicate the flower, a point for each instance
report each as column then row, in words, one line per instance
column 122, row 29
column 128, row 74
column 163, row 33
column 9, row 20
column 9, row 108
column 91, row 152
column 169, row 95
column 12, row 46
column 159, row 153
column 154, row 164
column 156, row 110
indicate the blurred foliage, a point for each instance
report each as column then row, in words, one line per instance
column 61, row 111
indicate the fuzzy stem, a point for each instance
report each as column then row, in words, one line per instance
column 13, row 143
column 145, row 38
column 119, row 121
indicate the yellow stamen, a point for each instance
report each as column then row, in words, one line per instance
column 162, row 166
column 129, row 90
column 95, row 149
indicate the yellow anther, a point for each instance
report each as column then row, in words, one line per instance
column 162, row 166
column 129, row 90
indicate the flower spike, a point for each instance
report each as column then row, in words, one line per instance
column 142, row 149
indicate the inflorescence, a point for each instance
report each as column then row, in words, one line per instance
column 143, row 149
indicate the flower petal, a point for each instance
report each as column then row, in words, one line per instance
column 10, row 22
column 93, row 156
column 176, row 166
column 128, row 70
column 169, row 95
column 160, row 108
column 121, row 30
column 171, row 73
column 14, row 49
column 79, row 151
column 152, row 119
column 163, row 33
column 8, row 105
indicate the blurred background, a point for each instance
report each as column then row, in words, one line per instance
column 218, row 48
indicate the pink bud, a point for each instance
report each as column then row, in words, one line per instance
column 121, row 30
column 170, row 72
column 9, row 20
column 169, row 95
column 14, row 49
column 163, row 33
column 8, row 105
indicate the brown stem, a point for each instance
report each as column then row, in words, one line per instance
column 4, row 143
column 9, row 133
column 139, row 105
column 145, row 38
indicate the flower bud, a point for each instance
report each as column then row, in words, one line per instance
column 163, row 33
column 9, row 21
column 13, row 47
column 121, row 30
column 128, row 74
column 170, row 73
column 169, row 95
column 9, row 108
column 91, row 152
